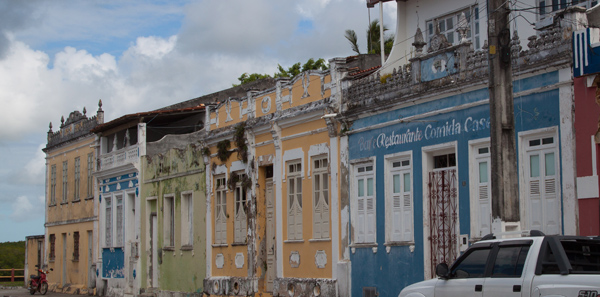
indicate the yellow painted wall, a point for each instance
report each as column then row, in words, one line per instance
column 72, row 209
column 260, row 105
column 306, row 248
column 76, row 269
column 297, row 92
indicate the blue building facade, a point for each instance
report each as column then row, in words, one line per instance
column 419, row 163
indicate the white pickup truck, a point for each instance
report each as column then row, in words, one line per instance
column 536, row 265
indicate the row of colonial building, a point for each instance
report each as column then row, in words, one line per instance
column 354, row 181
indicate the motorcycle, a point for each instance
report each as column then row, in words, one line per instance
column 39, row 282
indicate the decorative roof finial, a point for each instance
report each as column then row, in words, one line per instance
column 463, row 27
column 419, row 42
column 84, row 111
column 50, row 126
column 100, row 105
column 62, row 121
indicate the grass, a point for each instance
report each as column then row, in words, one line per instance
column 12, row 284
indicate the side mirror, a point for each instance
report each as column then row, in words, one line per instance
column 441, row 270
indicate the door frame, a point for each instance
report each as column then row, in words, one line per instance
column 427, row 154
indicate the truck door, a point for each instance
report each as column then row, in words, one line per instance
column 466, row 276
column 506, row 278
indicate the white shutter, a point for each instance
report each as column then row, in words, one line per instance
column 408, row 218
column 361, row 220
column 535, row 194
column 397, row 217
column 318, row 213
column 370, row 213
column 484, row 197
column 550, row 197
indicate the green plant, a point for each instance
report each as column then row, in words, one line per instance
column 383, row 79
column 206, row 151
column 223, row 152
column 239, row 137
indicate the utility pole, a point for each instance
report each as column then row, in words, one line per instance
column 504, row 173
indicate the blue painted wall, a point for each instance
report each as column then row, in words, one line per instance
column 113, row 264
column 113, row 259
column 390, row 272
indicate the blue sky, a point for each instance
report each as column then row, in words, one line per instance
column 61, row 56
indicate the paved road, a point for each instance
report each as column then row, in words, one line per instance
column 13, row 292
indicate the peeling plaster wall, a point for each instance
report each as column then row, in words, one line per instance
column 175, row 172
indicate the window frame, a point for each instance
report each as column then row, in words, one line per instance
column 90, row 177
column 53, row 184
column 474, row 33
column 240, row 218
column 52, row 254
column 108, row 221
column 321, row 184
column 394, row 230
column 77, row 179
column 187, row 219
column 75, row 246
column 294, row 177
column 357, row 174
column 220, row 206
column 119, row 221
column 65, row 183
column 546, row 10
column 169, row 221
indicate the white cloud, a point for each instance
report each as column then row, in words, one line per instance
column 25, row 210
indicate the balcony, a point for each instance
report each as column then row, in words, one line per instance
column 127, row 155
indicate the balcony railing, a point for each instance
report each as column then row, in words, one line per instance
column 127, row 155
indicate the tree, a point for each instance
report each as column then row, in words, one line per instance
column 246, row 78
column 373, row 39
column 292, row 71
column 296, row 69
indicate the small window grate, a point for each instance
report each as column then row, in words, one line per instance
column 370, row 292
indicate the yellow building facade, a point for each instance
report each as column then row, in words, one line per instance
column 71, row 215
column 273, row 190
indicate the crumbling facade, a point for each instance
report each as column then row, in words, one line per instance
column 273, row 190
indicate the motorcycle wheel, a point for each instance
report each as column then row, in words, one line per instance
column 31, row 290
column 44, row 288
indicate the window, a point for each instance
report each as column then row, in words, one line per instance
column 120, row 226
column 364, row 191
column 450, row 22
column 542, row 184
column 399, row 199
column 548, row 6
column 77, row 178
column 64, row 181
column 510, row 261
column 472, row 265
column 240, row 223
column 75, row 246
column 53, row 185
column 52, row 255
column 220, row 210
column 90, row 169
column 108, row 222
column 320, row 198
column 294, row 187
column 187, row 220
column 169, row 221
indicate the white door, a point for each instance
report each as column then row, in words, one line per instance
column 483, row 190
column 542, row 185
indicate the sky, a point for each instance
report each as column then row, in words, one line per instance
column 135, row 55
